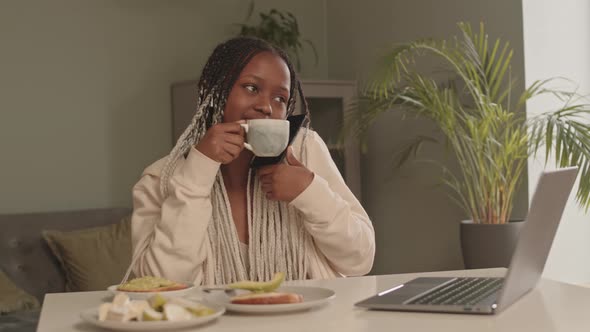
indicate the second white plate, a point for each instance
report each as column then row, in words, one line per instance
column 91, row 316
column 312, row 297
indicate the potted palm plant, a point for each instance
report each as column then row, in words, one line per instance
column 486, row 130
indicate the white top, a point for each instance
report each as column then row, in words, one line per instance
column 552, row 307
column 176, row 228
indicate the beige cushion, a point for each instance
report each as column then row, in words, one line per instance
column 95, row 258
column 13, row 298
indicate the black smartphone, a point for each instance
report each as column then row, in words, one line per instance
column 295, row 123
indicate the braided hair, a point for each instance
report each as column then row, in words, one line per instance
column 278, row 239
column 217, row 79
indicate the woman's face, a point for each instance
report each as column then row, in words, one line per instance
column 261, row 91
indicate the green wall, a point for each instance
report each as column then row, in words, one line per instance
column 417, row 225
column 86, row 104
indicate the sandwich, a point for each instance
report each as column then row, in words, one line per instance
column 264, row 292
column 267, row 298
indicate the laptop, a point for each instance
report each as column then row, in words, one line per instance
column 491, row 295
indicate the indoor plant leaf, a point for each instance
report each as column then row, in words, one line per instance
column 490, row 137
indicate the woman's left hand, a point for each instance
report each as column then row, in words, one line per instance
column 284, row 182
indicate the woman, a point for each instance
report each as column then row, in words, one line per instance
column 202, row 215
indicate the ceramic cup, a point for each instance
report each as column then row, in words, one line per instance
column 266, row 137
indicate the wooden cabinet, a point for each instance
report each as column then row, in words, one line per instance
column 327, row 101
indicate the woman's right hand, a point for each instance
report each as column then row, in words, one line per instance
column 223, row 142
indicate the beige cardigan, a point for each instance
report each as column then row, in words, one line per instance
column 170, row 236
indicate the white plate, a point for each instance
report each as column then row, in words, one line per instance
column 91, row 316
column 312, row 297
column 146, row 295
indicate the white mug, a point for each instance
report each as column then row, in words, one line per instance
column 266, row 137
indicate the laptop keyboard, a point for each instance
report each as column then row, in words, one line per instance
column 462, row 291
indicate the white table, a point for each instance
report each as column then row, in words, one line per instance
column 552, row 306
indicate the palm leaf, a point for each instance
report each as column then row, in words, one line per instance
column 490, row 139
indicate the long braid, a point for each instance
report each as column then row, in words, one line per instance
column 278, row 240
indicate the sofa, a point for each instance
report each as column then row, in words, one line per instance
column 28, row 261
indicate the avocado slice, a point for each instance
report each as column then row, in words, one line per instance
column 157, row 302
column 260, row 286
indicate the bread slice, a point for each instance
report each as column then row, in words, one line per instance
column 158, row 289
column 267, row 298
column 151, row 284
